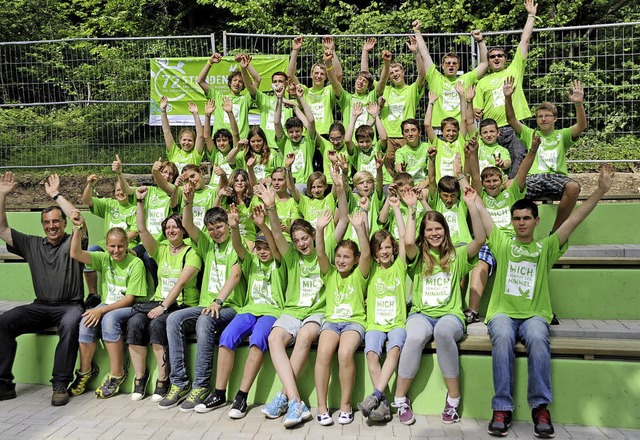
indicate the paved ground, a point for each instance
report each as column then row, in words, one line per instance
column 32, row 417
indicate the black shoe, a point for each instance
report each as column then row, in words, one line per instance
column 213, row 401
column 238, row 408
column 499, row 424
column 60, row 397
column 7, row 390
column 542, row 426
column 471, row 317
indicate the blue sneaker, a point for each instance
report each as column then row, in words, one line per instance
column 276, row 408
column 297, row 413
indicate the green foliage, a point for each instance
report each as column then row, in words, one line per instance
column 596, row 147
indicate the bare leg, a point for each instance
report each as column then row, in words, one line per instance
column 251, row 368
column 279, row 338
column 388, row 368
column 349, row 342
column 91, row 279
column 226, row 358
column 479, row 277
column 567, row 203
column 402, row 386
column 138, row 354
column 162, row 361
column 373, row 363
column 326, row 348
column 87, row 350
column 116, row 356
column 453, row 386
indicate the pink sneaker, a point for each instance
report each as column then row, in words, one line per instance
column 405, row 414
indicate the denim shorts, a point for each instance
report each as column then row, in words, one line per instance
column 292, row 325
column 374, row 340
column 341, row 327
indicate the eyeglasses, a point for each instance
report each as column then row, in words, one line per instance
column 496, row 55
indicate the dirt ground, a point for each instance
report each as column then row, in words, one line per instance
column 30, row 194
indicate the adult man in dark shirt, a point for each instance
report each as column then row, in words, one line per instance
column 57, row 282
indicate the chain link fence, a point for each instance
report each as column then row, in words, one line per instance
column 78, row 102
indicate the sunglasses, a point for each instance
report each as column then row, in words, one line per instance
column 496, row 55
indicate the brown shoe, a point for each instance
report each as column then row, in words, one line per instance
column 60, row 396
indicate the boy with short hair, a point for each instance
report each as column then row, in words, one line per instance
column 490, row 152
column 520, row 305
column 412, row 157
column 548, row 175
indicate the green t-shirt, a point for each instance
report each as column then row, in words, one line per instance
column 521, row 285
column 321, row 101
column 401, row 103
column 218, row 261
column 376, row 200
column 416, row 160
column 446, row 155
column 311, row 209
column 241, row 104
column 439, row 294
column 115, row 214
column 245, row 224
column 157, row 206
column 265, row 286
column 202, row 200
column 490, row 98
column 448, row 104
column 266, row 104
column 302, row 166
column 287, row 212
column 391, row 224
column 552, row 153
column 261, row 170
column 499, row 207
column 345, row 296
column 386, row 301
column 169, row 269
column 346, row 101
column 366, row 161
column 128, row 277
column 487, row 154
column 181, row 158
column 456, row 217
column 325, row 147
column 219, row 159
column 305, row 294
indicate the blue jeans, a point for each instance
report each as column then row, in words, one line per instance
column 534, row 333
column 187, row 320
column 110, row 326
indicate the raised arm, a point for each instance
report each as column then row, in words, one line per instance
column 187, row 213
column 76, row 252
column 427, row 61
column 581, row 212
column 577, row 97
column 6, row 186
column 193, row 108
column 329, row 45
column 359, row 221
column 432, row 152
column 258, row 218
column 343, row 206
column 464, row 107
column 202, row 77
column 394, row 202
column 227, row 106
column 87, row 193
column 367, row 47
column 116, row 167
column 527, row 32
column 384, row 74
column 209, row 108
column 268, row 197
column 479, row 236
column 169, row 142
column 527, row 162
column 473, row 164
column 411, row 200
column 323, row 260
column 356, row 111
column 336, row 84
column 236, row 239
column 249, row 74
column 297, row 91
column 160, row 180
column 147, row 239
column 52, row 188
column 508, row 89
column 412, row 45
column 291, row 184
column 483, row 65
column 278, row 90
column 296, row 45
column 428, row 117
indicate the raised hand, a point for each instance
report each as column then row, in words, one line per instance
column 327, row 56
column 535, row 141
column 379, row 160
column 432, row 152
column 141, row 192
column 227, row 105
column 92, row 179
column 52, row 185
column 409, row 196
column 605, row 180
column 509, row 86
column 289, row 160
column 258, row 216
column 218, row 171
column 164, row 101
column 210, row 107
column 576, row 95
column 116, row 165
column 356, row 109
column 193, row 108
column 243, row 144
column 369, row 44
column 470, row 93
column 394, row 201
column 471, row 145
column 251, row 162
column 531, row 7
column 416, row 25
column 470, row 195
column 412, row 44
column 364, row 203
column 459, row 88
column 386, row 56
column 373, row 109
column 477, row 35
column 233, row 218
column 215, row 58
column 7, row 183
column 358, row 218
column 433, row 97
column 187, row 193
column 157, row 165
column 297, row 43
column 76, row 218
column 324, row 219
column 328, row 43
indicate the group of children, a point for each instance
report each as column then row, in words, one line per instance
column 371, row 242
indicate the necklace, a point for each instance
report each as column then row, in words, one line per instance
column 175, row 248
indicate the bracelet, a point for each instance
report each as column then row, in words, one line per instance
column 140, row 200
column 460, row 177
column 234, row 227
column 187, row 203
column 164, row 309
column 270, row 208
column 209, row 62
column 163, row 110
column 577, row 104
column 79, row 227
column 328, row 68
column 532, row 15
column 56, row 196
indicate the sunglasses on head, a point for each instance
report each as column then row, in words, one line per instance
column 496, row 55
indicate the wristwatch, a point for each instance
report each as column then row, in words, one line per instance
column 218, row 301
column 164, row 309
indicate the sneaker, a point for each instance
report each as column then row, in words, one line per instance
column 450, row 413
column 238, row 408
column 499, row 424
column 212, row 402
column 110, row 386
column 277, row 407
column 174, row 397
column 7, row 390
column 60, row 397
column 79, row 384
column 345, row 417
column 162, row 388
column 370, row 403
column 140, row 387
column 542, row 426
column 325, row 419
column 297, row 412
column 471, row 317
column 195, row 397
column 382, row 413
column 405, row 414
